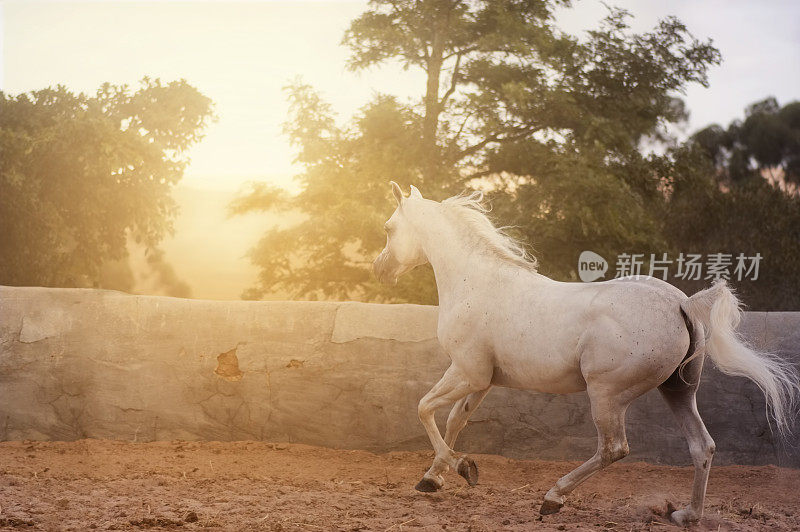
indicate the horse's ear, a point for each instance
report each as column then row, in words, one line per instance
column 415, row 193
column 398, row 194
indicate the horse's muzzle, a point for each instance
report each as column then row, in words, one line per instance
column 385, row 268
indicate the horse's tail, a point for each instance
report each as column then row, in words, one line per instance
column 719, row 311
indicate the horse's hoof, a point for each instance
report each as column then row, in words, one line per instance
column 426, row 485
column 683, row 517
column 468, row 470
column 550, row 507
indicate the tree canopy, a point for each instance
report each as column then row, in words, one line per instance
column 766, row 141
column 79, row 175
column 735, row 191
column 549, row 123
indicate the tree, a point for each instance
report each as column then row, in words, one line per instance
column 79, row 175
column 343, row 200
column 766, row 142
column 735, row 191
column 510, row 104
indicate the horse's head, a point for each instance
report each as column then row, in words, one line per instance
column 403, row 249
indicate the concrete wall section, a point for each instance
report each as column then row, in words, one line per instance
column 97, row 364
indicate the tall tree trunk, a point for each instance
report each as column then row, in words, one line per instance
column 430, row 126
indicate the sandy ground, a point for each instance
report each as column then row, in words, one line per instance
column 108, row 485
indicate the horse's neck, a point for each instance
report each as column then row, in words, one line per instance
column 456, row 264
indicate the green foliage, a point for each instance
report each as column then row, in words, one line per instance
column 570, row 202
column 80, row 174
column 768, row 140
column 550, row 123
column 344, row 197
column 724, row 204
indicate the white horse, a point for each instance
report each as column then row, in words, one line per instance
column 503, row 324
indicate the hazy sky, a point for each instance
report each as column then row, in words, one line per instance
column 242, row 54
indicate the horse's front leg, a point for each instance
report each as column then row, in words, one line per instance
column 453, row 386
column 461, row 413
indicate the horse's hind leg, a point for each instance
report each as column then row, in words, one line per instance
column 679, row 393
column 608, row 414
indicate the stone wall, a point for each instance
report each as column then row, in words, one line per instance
column 80, row 363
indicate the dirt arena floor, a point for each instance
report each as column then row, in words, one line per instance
column 109, row 485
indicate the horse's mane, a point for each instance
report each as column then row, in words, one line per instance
column 470, row 210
